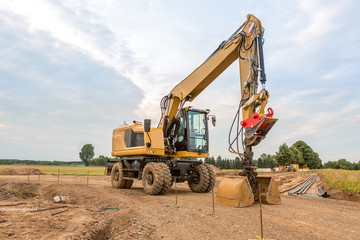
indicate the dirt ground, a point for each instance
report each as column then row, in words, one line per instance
column 98, row 211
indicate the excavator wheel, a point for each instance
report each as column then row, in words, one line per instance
column 200, row 182
column 153, row 178
column 211, row 177
column 167, row 179
column 117, row 180
column 128, row 183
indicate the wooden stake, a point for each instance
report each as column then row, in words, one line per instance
column 176, row 192
column 29, row 174
column 213, row 201
column 87, row 181
column 58, row 175
column 261, row 224
column 39, row 176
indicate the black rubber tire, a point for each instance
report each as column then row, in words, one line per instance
column 201, row 182
column 211, row 177
column 167, row 178
column 128, row 183
column 153, row 178
column 117, row 175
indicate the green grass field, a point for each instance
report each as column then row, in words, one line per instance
column 346, row 180
column 77, row 170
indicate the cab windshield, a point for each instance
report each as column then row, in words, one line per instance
column 197, row 122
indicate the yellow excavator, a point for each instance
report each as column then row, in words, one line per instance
column 173, row 150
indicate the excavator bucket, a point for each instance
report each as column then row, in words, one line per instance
column 269, row 190
column 234, row 192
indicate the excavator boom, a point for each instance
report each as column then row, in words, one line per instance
column 182, row 132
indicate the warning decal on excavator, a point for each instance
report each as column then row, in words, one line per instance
column 251, row 28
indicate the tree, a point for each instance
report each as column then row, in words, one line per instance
column 298, row 158
column 212, row 160
column 356, row 166
column 310, row 157
column 237, row 163
column 99, row 161
column 285, row 156
column 329, row 165
column 266, row 161
column 87, row 153
column 342, row 164
column 227, row 164
column 218, row 162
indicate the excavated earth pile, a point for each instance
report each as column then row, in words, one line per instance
column 20, row 171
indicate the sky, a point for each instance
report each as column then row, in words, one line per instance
column 72, row 71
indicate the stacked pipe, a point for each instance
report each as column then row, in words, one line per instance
column 302, row 187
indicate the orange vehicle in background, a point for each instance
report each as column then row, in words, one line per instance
column 291, row 168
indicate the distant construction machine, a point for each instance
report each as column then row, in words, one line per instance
column 160, row 155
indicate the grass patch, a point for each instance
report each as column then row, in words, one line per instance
column 19, row 192
column 346, row 180
column 76, row 170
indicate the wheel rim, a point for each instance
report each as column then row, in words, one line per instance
column 150, row 178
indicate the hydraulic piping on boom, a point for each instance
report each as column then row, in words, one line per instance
column 252, row 103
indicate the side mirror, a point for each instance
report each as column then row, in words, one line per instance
column 213, row 120
column 147, row 125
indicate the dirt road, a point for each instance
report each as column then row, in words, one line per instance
column 140, row 216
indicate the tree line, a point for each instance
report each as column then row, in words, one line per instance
column 224, row 163
column 299, row 153
column 36, row 162
column 342, row 164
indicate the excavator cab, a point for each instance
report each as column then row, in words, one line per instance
column 192, row 134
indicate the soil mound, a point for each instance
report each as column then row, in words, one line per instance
column 228, row 173
column 215, row 169
column 20, row 171
column 339, row 194
column 18, row 190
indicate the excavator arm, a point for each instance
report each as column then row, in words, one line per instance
column 182, row 132
column 246, row 45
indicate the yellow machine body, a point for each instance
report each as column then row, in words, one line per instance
column 130, row 140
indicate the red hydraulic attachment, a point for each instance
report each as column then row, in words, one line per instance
column 255, row 118
column 256, row 127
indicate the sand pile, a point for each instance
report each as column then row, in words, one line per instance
column 215, row 169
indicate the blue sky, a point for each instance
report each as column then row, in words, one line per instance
column 71, row 71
